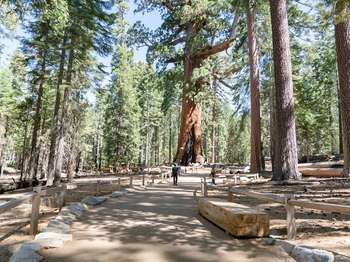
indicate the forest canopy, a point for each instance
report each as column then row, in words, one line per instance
column 86, row 86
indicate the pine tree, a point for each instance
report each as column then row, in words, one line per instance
column 255, row 140
column 342, row 39
column 122, row 113
column 285, row 155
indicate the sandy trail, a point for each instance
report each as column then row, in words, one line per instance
column 155, row 225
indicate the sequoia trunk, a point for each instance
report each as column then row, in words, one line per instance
column 190, row 132
column 286, row 159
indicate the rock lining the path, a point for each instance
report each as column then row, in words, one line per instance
column 27, row 252
column 117, row 194
column 94, row 201
column 53, row 235
column 52, row 239
column 309, row 254
column 305, row 254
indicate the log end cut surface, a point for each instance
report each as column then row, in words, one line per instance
column 239, row 220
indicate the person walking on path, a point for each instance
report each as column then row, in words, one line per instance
column 175, row 173
column 212, row 174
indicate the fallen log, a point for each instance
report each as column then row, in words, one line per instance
column 327, row 164
column 321, row 172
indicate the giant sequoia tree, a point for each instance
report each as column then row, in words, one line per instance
column 192, row 32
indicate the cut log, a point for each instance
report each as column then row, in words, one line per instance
column 321, row 172
column 327, row 164
column 238, row 220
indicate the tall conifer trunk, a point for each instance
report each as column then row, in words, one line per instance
column 255, row 133
column 55, row 121
column 35, row 151
column 286, row 158
column 342, row 39
column 2, row 141
column 213, row 136
column 63, row 117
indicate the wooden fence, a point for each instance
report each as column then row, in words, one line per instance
column 35, row 196
column 288, row 200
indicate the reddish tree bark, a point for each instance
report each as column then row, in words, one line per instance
column 190, row 129
column 255, row 133
column 342, row 39
column 285, row 159
column 189, row 142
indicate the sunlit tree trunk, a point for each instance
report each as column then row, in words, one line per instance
column 63, row 118
column 35, row 151
column 2, row 141
column 55, row 121
column 189, row 142
column 255, row 133
column 286, row 158
column 24, row 156
column 342, row 39
column 170, row 156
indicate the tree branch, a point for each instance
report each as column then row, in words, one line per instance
column 214, row 49
column 176, row 41
column 169, row 5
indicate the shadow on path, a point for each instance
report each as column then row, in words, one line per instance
column 158, row 224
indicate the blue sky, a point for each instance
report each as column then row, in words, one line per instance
column 11, row 42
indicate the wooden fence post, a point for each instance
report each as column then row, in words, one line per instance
column 143, row 179
column 97, row 187
column 34, row 220
column 119, row 184
column 291, row 224
column 229, row 195
column 62, row 195
column 205, row 187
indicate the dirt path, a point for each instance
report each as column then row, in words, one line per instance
column 158, row 224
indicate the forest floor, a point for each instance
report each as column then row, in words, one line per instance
column 165, row 215
column 324, row 230
column 10, row 220
column 159, row 223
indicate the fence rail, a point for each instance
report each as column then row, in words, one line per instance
column 288, row 200
column 35, row 196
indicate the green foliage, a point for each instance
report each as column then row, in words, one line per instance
column 238, row 145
